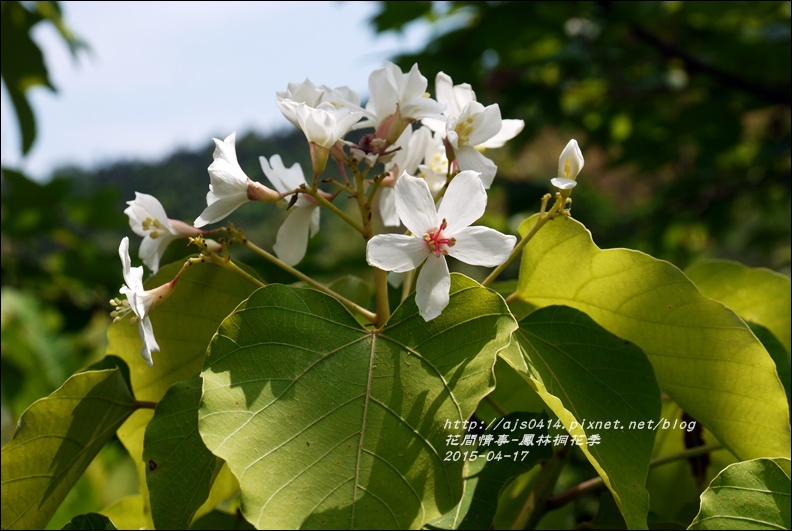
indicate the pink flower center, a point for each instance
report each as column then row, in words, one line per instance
column 436, row 243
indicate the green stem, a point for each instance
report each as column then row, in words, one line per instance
column 534, row 507
column 544, row 217
column 589, row 485
column 340, row 213
column 308, row 280
column 381, row 289
column 228, row 264
column 496, row 405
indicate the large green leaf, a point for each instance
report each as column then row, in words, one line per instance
column 502, row 453
column 328, row 424
column 180, row 470
column 757, row 294
column 57, row 438
column 600, row 387
column 704, row 356
column 748, row 495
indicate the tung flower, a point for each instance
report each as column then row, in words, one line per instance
column 140, row 301
column 569, row 165
column 397, row 99
column 303, row 219
column 323, row 126
column 147, row 219
column 437, row 232
column 230, row 188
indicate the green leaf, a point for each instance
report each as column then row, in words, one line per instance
column 328, row 424
column 601, row 388
column 704, row 356
column 180, row 470
column 57, row 438
column 90, row 521
column 779, row 355
column 747, row 495
column 494, row 466
column 756, row 294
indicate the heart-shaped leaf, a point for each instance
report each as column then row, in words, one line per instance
column 328, row 424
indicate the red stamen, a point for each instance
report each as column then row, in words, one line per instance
column 435, row 241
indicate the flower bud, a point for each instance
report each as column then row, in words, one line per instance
column 571, row 161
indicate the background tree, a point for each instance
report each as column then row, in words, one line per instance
column 686, row 105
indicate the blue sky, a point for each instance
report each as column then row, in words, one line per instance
column 165, row 75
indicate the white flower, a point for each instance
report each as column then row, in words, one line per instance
column 569, row 165
column 313, row 96
column 140, row 301
column 470, row 127
column 436, row 233
column 303, row 218
column 147, row 219
column 229, row 188
column 323, row 126
column 397, row 99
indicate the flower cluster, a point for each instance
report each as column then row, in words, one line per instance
column 418, row 170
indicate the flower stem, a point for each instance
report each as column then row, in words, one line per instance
column 340, row 213
column 308, row 280
column 589, row 485
column 544, row 217
column 228, row 264
column 381, row 289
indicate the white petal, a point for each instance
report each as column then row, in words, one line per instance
column 433, row 287
column 149, row 343
column 486, row 124
column 396, row 252
column 571, row 161
column 283, row 179
column 152, row 249
column 387, row 204
column 469, row 158
column 415, row 205
column 463, row 203
column 292, row 239
column 509, row 130
column 482, row 246
column 219, row 209
column 563, row 183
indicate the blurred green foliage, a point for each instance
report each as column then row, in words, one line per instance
column 682, row 110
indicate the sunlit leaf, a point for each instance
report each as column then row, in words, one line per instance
column 129, row 513
column 603, row 390
column 704, row 356
column 57, row 438
column 756, row 294
column 747, row 495
column 329, row 424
